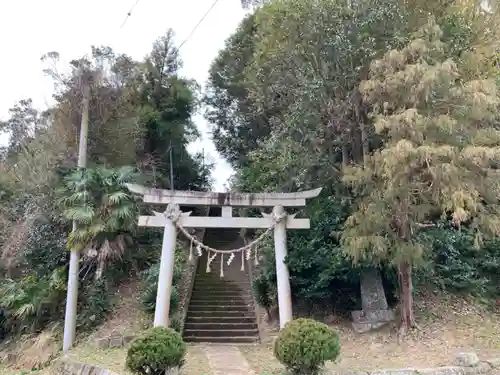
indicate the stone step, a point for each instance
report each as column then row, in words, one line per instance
column 222, row 281
column 221, row 314
column 220, row 307
column 207, row 287
column 200, row 281
column 217, row 296
column 223, row 340
column 220, row 326
column 228, row 304
column 221, row 332
column 222, row 293
column 221, row 289
column 210, row 300
column 221, row 319
column 227, row 294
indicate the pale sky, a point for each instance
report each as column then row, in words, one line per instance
column 30, row 28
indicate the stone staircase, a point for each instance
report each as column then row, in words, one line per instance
column 221, row 310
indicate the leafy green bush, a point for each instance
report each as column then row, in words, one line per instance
column 454, row 265
column 148, row 298
column 29, row 303
column 304, row 345
column 263, row 293
column 94, row 304
column 157, row 351
column 175, row 324
column 45, row 248
column 150, row 282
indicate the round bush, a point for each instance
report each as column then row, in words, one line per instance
column 158, row 350
column 304, row 345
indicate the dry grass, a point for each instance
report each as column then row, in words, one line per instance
column 29, row 351
column 114, row 359
column 126, row 319
column 447, row 328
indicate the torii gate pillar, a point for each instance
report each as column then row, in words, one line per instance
column 166, row 273
column 282, row 274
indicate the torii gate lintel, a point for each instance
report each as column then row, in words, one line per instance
column 201, row 198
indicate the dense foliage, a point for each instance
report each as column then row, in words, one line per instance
column 304, row 345
column 140, row 122
column 156, row 351
column 396, row 123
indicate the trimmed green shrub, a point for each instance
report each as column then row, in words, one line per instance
column 158, row 350
column 304, row 345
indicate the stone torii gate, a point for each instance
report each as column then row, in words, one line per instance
column 173, row 219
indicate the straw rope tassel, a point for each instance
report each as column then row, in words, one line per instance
column 191, row 251
column 230, row 260
column 208, row 262
column 222, row 265
column 242, row 261
column 256, row 255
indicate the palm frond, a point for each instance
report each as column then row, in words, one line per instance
column 26, row 310
column 95, row 228
column 125, row 211
column 117, row 197
column 84, row 214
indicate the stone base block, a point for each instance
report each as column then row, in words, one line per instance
column 373, row 316
column 365, row 321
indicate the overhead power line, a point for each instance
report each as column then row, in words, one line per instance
column 198, row 24
column 129, row 13
column 192, row 31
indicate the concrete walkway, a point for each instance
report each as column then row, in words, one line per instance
column 227, row 360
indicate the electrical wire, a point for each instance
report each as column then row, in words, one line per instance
column 192, row 31
column 198, row 24
column 129, row 14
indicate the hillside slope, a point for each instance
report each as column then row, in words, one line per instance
column 449, row 325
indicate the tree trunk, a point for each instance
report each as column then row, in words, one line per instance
column 345, row 156
column 269, row 315
column 364, row 142
column 100, row 269
column 406, row 297
column 365, row 149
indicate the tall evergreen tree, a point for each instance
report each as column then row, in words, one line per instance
column 440, row 157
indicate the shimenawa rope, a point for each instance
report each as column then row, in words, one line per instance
column 174, row 215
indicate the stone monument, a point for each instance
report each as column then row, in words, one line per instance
column 375, row 312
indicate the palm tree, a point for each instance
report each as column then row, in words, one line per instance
column 104, row 212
